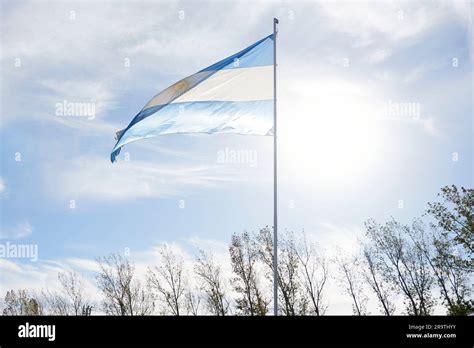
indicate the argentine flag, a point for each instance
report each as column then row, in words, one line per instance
column 234, row 95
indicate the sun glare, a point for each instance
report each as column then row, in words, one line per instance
column 331, row 136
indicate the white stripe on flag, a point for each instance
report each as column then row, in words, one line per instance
column 244, row 84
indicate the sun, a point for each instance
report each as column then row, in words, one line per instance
column 330, row 136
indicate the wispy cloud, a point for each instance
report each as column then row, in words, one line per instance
column 332, row 236
column 20, row 230
column 216, row 246
column 3, row 187
column 79, row 91
column 392, row 23
column 379, row 55
column 95, row 177
column 96, row 50
column 41, row 275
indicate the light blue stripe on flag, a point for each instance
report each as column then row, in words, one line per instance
column 258, row 54
column 234, row 95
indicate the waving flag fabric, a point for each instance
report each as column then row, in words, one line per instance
column 234, row 95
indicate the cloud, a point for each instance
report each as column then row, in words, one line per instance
column 333, row 236
column 85, row 29
column 208, row 244
column 77, row 52
column 115, row 32
column 41, row 275
column 426, row 124
column 79, row 264
column 94, row 177
column 21, row 230
column 422, row 70
column 389, row 23
column 3, row 187
column 379, row 55
column 79, row 91
column 377, row 31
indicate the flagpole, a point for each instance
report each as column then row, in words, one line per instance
column 275, row 206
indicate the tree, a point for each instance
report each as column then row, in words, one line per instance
column 455, row 217
column 169, row 280
column 244, row 256
column 448, row 269
column 314, row 274
column 402, row 264
column 70, row 300
column 21, row 303
column 192, row 301
column 450, row 247
column 55, row 303
column 212, row 284
column 73, row 288
column 291, row 298
column 86, row 310
column 123, row 295
column 373, row 275
column 349, row 277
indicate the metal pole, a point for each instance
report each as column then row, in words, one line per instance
column 275, row 205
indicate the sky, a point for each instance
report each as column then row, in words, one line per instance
column 375, row 107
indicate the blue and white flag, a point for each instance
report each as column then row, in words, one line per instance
column 234, row 95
